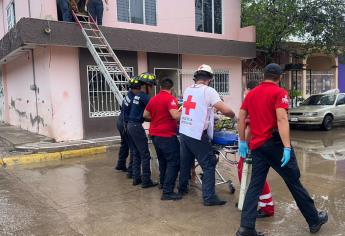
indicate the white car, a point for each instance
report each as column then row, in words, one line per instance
column 321, row 109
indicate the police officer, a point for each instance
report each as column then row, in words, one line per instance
column 270, row 146
column 138, row 140
column 163, row 113
column 122, row 128
column 196, row 129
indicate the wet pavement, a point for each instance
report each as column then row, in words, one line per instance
column 87, row 197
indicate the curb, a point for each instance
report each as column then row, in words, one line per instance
column 54, row 156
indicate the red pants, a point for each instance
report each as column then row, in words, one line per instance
column 265, row 202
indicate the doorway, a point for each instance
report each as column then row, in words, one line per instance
column 171, row 73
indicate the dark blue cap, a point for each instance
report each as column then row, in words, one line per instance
column 274, row 69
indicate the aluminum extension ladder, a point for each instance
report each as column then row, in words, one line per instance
column 107, row 61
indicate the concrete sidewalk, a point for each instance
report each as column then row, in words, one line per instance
column 18, row 146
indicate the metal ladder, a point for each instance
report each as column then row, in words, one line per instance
column 107, row 61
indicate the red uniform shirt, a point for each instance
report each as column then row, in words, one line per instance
column 162, row 124
column 261, row 104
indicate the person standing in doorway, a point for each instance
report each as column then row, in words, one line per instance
column 95, row 9
column 196, row 129
column 65, row 8
column 162, row 111
column 270, row 146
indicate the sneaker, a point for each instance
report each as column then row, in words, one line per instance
column 171, row 196
column 136, row 182
column 262, row 214
column 323, row 218
column 215, row 201
column 248, row 232
column 149, row 184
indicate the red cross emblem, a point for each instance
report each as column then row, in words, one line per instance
column 189, row 105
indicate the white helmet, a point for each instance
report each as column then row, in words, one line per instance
column 203, row 72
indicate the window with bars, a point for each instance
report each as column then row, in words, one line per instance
column 209, row 16
column 11, row 17
column 220, row 82
column 137, row 11
column 102, row 101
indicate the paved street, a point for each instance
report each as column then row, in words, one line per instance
column 87, row 197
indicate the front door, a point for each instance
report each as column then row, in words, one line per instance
column 173, row 74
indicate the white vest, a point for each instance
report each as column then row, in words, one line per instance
column 196, row 115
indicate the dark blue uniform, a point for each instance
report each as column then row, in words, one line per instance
column 95, row 8
column 138, row 140
column 122, row 127
column 64, row 10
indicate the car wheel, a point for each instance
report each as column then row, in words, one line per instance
column 327, row 123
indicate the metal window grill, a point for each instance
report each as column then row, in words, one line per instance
column 221, row 81
column 102, row 101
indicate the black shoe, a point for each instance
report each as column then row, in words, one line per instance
column 136, row 182
column 121, row 168
column 129, row 176
column 149, row 184
column 262, row 214
column 215, row 201
column 248, row 232
column 323, row 218
column 160, row 186
column 183, row 192
column 171, row 196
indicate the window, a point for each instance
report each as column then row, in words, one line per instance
column 102, row 101
column 11, row 17
column 137, row 11
column 220, row 82
column 209, row 16
column 341, row 100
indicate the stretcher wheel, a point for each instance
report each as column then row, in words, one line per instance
column 232, row 188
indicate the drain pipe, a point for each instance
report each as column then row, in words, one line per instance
column 34, row 87
column 29, row 6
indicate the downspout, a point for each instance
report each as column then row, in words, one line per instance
column 29, row 4
column 34, row 87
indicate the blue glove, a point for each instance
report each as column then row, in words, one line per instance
column 243, row 149
column 286, row 156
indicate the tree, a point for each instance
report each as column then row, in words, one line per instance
column 318, row 24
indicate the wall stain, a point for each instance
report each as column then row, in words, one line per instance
column 13, row 105
column 36, row 119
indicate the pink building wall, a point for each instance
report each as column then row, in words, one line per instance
column 175, row 17
column 58, row 113
column 233, row 65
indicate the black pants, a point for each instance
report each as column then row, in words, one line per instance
column 202, row 150
column 124, row 148
column 168, row 153
column 139, row 145
column 270, row 155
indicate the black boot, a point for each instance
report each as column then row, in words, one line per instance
column 171, row 196
column 149, row 184
column 248, row 232
column 136, row 182
column 121, row 168
column 215, row 201
column 262, row 214
column 323, row 218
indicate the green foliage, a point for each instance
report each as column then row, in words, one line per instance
column 295, row 93
column 319, row 24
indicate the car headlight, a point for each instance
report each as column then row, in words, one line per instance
column 310, row 114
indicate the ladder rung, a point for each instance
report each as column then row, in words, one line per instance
column 104, row 54
column 92, row 29
column 95, row 37
column 100, row 45
column 81, row 15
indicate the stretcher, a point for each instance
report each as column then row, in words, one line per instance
column 225, row 146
